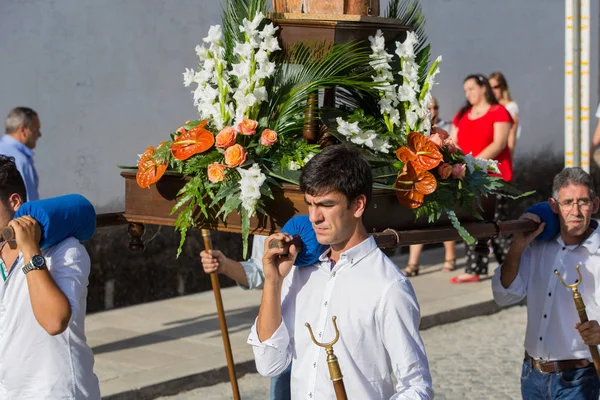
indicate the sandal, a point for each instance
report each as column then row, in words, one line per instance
column 411, row 270
column 449, row 265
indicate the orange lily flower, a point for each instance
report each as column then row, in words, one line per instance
column 420, row 151
column 149, row 170
column 415, row 184
column 196, row 140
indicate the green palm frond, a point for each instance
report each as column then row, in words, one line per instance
column 308, row 68
column 410, row 13
column 234, row 12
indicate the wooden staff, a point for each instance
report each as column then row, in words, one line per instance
column 580, row 306
column 335, row 373
column 214, row 279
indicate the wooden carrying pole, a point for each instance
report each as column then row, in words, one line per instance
column 214, row 279
column 580, row 306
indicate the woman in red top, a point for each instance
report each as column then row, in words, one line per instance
column 481, row 127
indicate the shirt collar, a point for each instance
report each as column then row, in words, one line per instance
column 15, row 143
column 592, row 243
column 355, row 254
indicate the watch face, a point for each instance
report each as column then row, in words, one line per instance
column 38, row 261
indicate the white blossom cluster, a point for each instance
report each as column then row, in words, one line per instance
column 251, row 181
column 368, row 138
column 213, row 95
column 388, row 102
column 415, row 98
column 295, row 166
column 481, row 164
column 254, row 65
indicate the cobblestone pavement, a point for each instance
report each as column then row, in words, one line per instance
column 478, row 358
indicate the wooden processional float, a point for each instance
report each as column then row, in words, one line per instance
column 331, row 21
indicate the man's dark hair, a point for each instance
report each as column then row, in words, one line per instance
column 338, row 168
column 11, row 180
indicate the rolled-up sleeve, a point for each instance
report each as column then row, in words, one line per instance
column 274, row 354
column 517, row 289
column 253, row 267
column 400, row 318
column 254, row 275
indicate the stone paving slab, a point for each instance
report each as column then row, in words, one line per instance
column 477, row 358
column 164, row 347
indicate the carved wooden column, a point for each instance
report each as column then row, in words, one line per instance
column 136, row 231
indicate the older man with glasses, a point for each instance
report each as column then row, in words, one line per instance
column 557, row 358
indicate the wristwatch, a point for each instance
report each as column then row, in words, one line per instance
column 36, row 262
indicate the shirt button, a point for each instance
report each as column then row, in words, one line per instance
column 549, row 294
column 325, row 304
column 540, row 338
column 564, row 248
column 320, row 334
column 333, row 274
column 310, row 395
column 315, row 365
column 545, row 316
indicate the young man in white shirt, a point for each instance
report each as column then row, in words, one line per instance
column 557, row 359
column 377, row 312
column 43, row 352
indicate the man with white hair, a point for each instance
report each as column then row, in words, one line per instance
column 22, row 133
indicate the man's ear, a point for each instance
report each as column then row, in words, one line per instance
column 360, row 205
column 15, row 201
column 553, row 205
column 595, row 204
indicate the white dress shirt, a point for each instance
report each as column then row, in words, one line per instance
column 551, row 311
column 378, row 317
column 33, row 364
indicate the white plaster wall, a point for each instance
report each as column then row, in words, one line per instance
column 105, row 75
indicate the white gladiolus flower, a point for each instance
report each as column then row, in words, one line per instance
column 492, row 166
column 244, row 50
column 189, row 76
column 261, row 56
column 260, row 94
column 308, row 157
column 270, row 44
column 268, row 31
column 201, row 52
column 251, row 181
column 241, row 70
column 293, row 166
column 214, row 35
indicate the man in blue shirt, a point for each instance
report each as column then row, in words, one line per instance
column 22, row 133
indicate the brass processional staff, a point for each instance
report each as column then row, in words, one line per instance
column 580, row 306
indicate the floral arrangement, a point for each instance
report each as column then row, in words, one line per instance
column 251, row 101
column 428, row 171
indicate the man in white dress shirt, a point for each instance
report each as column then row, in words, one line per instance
column 557, row 359
column 43, row 350
column 377, row 312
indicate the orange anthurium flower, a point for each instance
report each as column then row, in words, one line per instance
column 420, row 151
column 415, row 184
column 196, row 140
column 149, row 170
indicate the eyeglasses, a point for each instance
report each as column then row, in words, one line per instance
column 583, row 204
column 497, row 87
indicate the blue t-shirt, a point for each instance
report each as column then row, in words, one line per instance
column 23, row 156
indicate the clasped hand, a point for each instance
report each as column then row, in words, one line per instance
column 277, row 262
column 27, row 234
